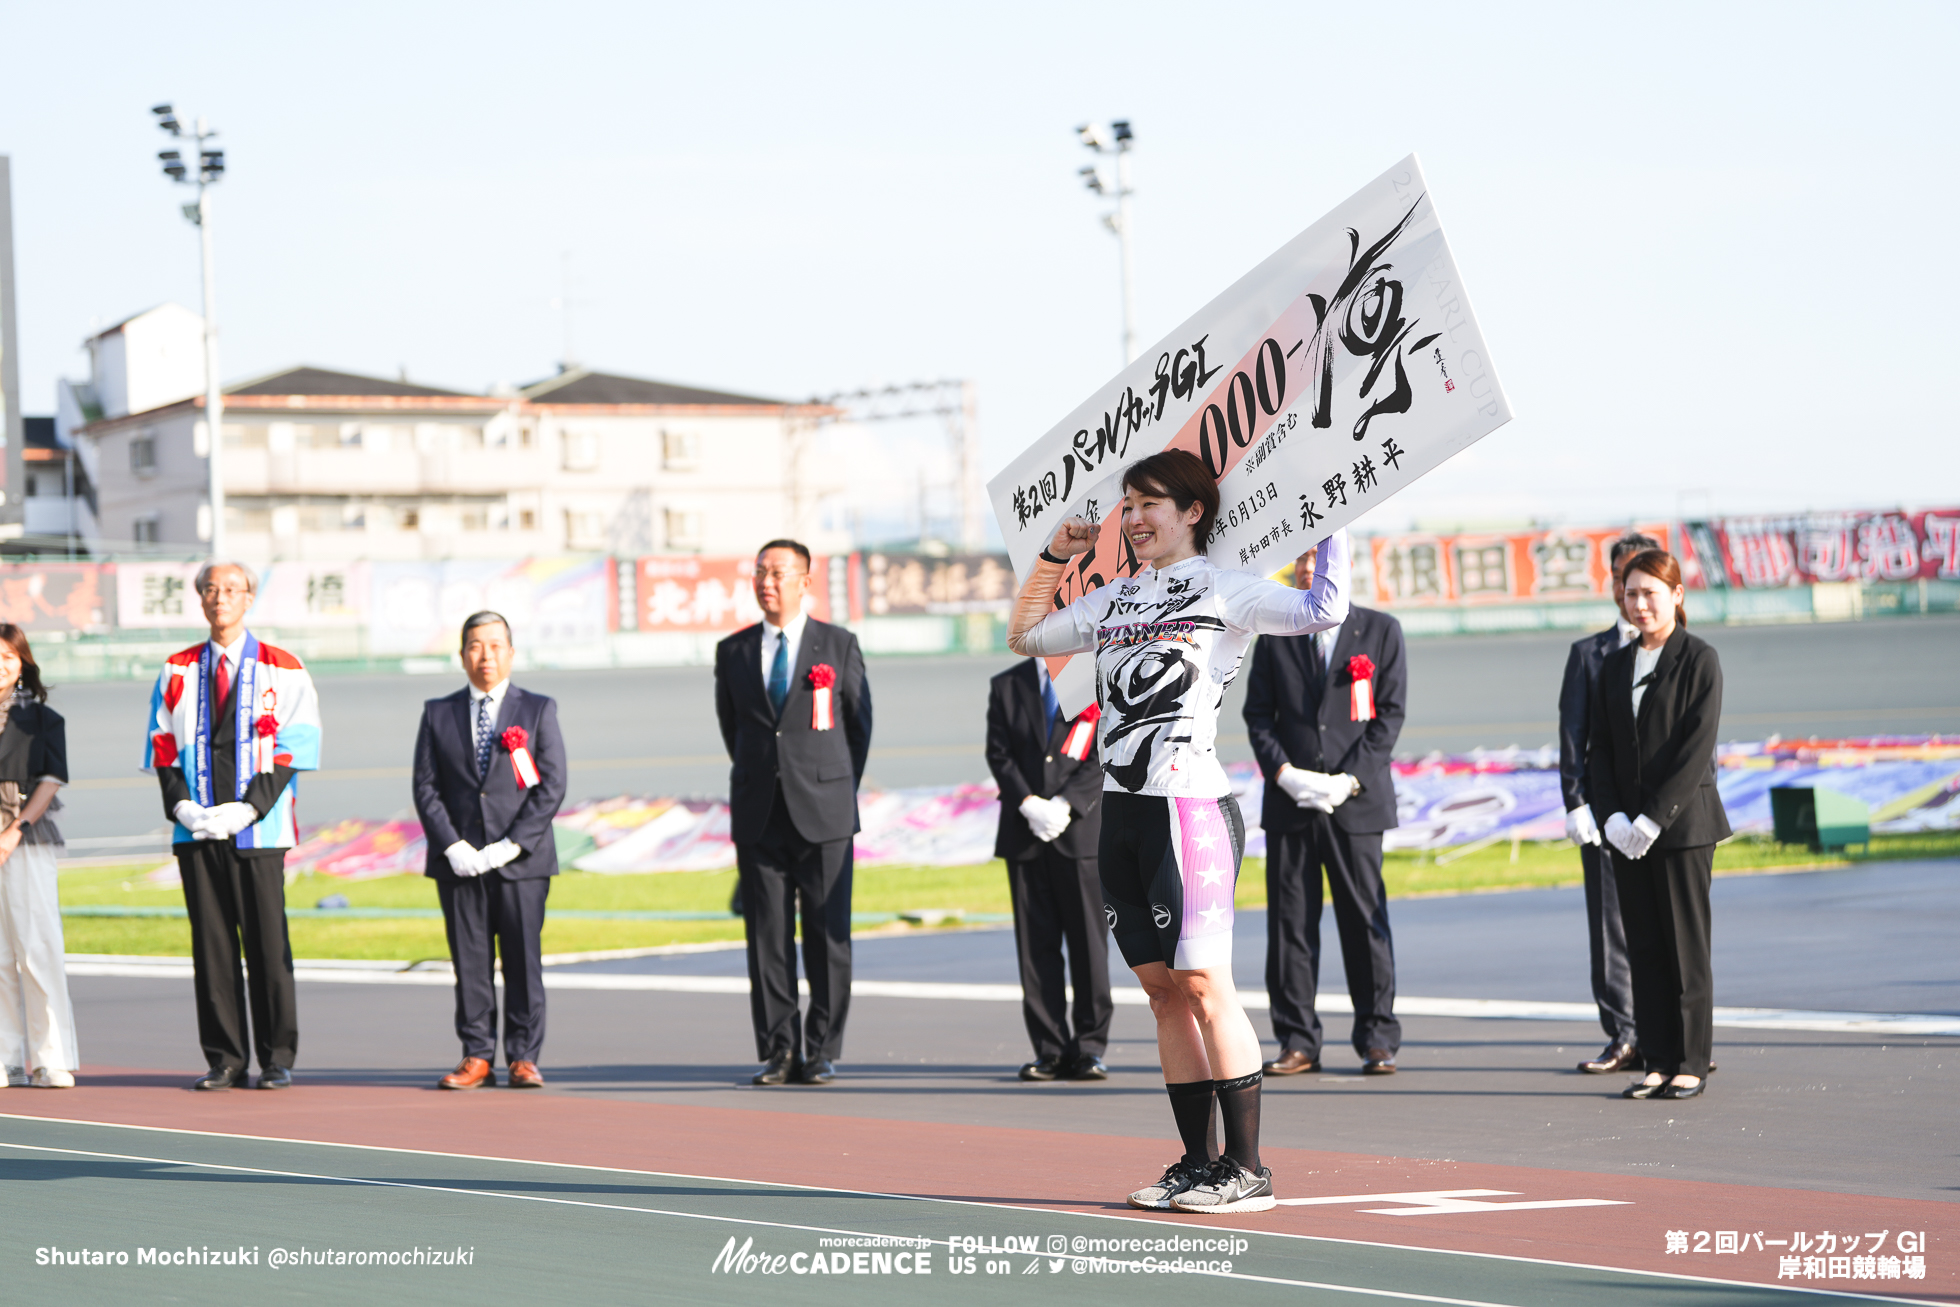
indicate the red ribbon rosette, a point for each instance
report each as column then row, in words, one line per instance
column 1361, row 698
column 268, row 726
column 516, row 741
column 822, row 677
column 1081, row 734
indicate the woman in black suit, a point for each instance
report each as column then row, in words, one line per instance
column 1651, row 768
column 37, row 1022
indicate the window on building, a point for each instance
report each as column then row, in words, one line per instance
column 143, row 454
column 581, row 451
column 245, row 435
column 585, row 529
column 680, row 451
column 145, row 530
column 683, row 528
column 527, row 519
column 33, row 486
column 408, row 517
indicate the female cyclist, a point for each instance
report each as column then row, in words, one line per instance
column 1167, row 642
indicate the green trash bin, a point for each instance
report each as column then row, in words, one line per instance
column 1822, row 819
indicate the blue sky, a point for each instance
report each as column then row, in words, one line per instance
column 1697, row 236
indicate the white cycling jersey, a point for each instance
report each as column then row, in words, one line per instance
column 1167, row 643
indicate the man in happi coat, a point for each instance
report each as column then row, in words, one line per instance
column 232, row 720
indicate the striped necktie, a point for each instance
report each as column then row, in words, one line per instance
column 483, row 737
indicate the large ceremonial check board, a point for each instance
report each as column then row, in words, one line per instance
column 1332, row 375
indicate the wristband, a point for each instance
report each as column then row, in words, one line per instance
column 1047, row 557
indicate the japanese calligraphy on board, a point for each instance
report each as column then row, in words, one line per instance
column 961, row 583
column 1335, row 373
column 1425, row 569
column 1758, row 553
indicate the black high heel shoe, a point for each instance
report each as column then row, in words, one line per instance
column 1672, row 1090
column 1643, row 1090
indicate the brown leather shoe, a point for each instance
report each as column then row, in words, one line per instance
column 1291, row 1063
column 525, row 1075
column 469, row 1073
column 1617, row 1057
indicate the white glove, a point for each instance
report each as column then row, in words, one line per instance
column 1641, row 836
column 1047, row 818
column 1618, row 828
column 1309, row 789
column 1341, row 788
column 190, row 815
column 225, row 821
column 500, row 853
column 1580, row 827
column 465, row 859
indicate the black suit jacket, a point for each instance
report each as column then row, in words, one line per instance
column 1662, row 764
column 1576, row 697
column 34, row 744
column 818, row 770
column 1291, row 720
column 1026, row 757
column 454, row 805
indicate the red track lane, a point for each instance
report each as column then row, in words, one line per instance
column 1036, row 1169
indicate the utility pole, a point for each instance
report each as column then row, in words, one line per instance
column 208, row 168
column 1116, row 139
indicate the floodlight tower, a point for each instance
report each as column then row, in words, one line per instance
column 203, row 171
column 1115, row 139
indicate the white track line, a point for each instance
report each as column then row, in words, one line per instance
column 949, row 1202
column 390, row 973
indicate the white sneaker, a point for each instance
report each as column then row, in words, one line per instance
column 17, row 1077
column 47, row 1077
column 1178, row 1177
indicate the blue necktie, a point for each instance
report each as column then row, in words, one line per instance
column 483, row 737
column 1050, row 702
column 779, row 673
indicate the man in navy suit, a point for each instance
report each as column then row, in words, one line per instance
column 489, row 776
column 1324, row 712
column 795, row 713
column 1050, row 775
column 1612, row 974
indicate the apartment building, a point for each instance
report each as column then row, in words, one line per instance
column 329, row 466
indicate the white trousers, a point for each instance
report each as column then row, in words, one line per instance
column 37, row 1022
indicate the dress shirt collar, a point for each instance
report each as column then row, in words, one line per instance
column 793, row 631
column 1628, row 632
column 495, row 694
column 232, row 652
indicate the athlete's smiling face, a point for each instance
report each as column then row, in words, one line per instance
column 1155, row 527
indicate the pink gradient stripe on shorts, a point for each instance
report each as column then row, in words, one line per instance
column 1204, row 862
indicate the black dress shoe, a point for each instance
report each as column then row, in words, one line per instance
column 779, row 1070
column 1378, row 1062
column 1644, row 1090
column 817, row 1072
column 1087, row 1067
column 1293, row 1062
column 221, row 1077
column 275, row 1077
column 1042, row 1068
column 1617, row 1057
column 1672, row 1090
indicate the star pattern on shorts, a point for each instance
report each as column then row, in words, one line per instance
column 1212, row 915
column 1212, row 875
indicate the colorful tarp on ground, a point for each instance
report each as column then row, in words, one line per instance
column 1911, row 783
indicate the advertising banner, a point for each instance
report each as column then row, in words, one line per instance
column 299, row 595
column 1335, row 373
column 418, row 608
column 151, row 595
column 1493, row 568
column 690, row 593
column 961, row 583
column 1761, row 553
column 58, row 596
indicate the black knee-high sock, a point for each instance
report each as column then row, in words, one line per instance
column 1195, row 1109
column 1238, row 1105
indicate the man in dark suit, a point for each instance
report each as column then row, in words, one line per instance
column 1324, row 712
column 796, row 716
column 1612, row 981
column 489, row 776
column 1050, row 777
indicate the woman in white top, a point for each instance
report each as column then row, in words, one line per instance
column 37, row 1022
column 1167, row 642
